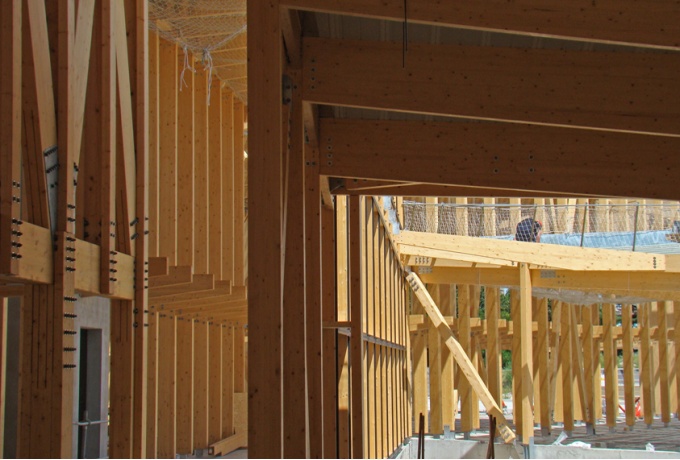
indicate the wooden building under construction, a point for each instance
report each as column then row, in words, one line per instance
column 288, row 225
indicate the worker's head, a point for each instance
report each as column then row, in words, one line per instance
column 529, row 230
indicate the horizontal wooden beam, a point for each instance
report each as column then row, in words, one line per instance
column 198, row 283
column 222, row 290
column 502, row 157
column 176, row 275
column 621, row 91
column 229, row 444
column 556, row 279
column 359, row 186
column 539, row 254
column 158, row 266
column 610, row 21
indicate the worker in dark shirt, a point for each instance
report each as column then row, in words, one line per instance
column 529, row 230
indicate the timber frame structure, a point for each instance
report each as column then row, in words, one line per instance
column 268, row 299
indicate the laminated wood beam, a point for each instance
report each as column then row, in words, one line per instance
column 215, row 377
column 564, row 257
column 663, row 366
column 215, row 167
column 542, row 389
column 176, row 275
column 229, row 444
column 357, row 352
column 676, row 339
column 167, row 148
column 200, row 390
column 611, row 379
column 227, row 184
column 223, row 291
column 10, row 133
column 628, row 371
column 198, row 283
column 158, row 266
column 212, row 306
column 609, row 22
column 295, row 329
column 645, row 363
column 184, row 415
column 186, row 164
column 360, row 186
column 371, row 74
column 473, row 156
column 227, row 380
column 152, row 388
column 459, row 354
column 154, row 142
column 566, row 279
column 167, row 391
column 330, row 340
column 239, row 191
column 201, row 203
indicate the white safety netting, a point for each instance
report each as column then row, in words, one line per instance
column 632, row 226
column 212, row 31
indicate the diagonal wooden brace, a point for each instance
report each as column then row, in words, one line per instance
column 461, row 358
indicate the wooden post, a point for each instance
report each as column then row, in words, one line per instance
column 264, row 230
column 517, row 407
column 167, row 390
column 464, row 334
column 565, row 361
column 200, row 388
column 543, row 346
column 646, row 363
column 152, row 388
column 447, row 303
column 662, row 341
column 215, row 167
column 186, row 344
column 200, row 204
column 356, row 341
column 330, row 339
column 419, row 374
column 628, row 371
column 434, row 346
column 588, row 358
column 526, row 363
column 227, row 183
column 215, row 383
column 296, row 439
column 676, row 337
column 611, row 379
column 186, row 164
column 227, row 380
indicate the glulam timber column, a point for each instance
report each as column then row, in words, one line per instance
column 264, row 230
column 525, row 358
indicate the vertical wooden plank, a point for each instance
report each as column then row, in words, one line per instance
column 227, row 184
column 200, row 235
column 10, row 131
column 555, row 367
column 330, row 380
column 343, row 434
column 597, row 367
column 167, row 151
column 120, row 431
column 312, row 253
column 152, row 388
column 664, row 382
column 611, row 382
column 493, row 350
column 516, row 350
column 526, row 353
column 139, row 41
column 154, row 143
column 167, row 415
column 418, row 344
column 215, row 383
column 543, row 345
column 239, row 358
column 200, row 390
column 565, row 360
column 434, row 346
column 646, row 363
column 446, row 306
column 464, row 334
column 588, row 358
column 356, row 342
column 215, row 180
column 264, row 228
column 186, row 164
column 227, row 381
column 296, row 404
column 239, row 191
column 185, row 385
column 628, row 371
